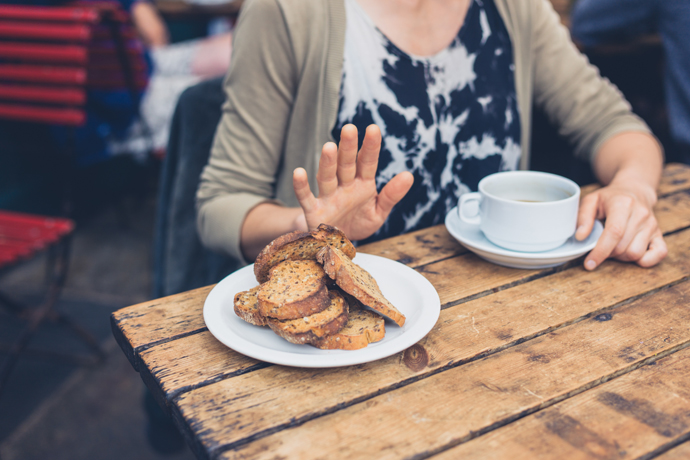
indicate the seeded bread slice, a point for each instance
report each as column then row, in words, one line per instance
column 356, row 281
column 362, row 328
column 295, row 289
column 300, row 246
column 314, row 327
column 352, row 301
column 247, row 307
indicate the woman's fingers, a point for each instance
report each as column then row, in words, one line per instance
column 617, row 217
column 586, row 216
column 655, row 253
column 304, row 195
column 393, row 192
column 368, row 159
column 326, row 176
column 639, row 245
column 640, row 228
column 347, row 155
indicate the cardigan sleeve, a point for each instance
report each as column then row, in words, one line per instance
column 248, row 144
column 587, row 108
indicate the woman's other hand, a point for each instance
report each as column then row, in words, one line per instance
column 630, row 163
column 348, row 198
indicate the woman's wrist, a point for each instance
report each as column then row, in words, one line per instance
column 641, row 185
column 631, row 160
column 300, row 221
column 264, row 223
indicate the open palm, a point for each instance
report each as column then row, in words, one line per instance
column 347, row 186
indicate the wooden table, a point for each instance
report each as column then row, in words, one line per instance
column 557, row 363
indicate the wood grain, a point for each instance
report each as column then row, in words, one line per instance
column 249, row 404
column 681, row 452
column 625, row 418
column 417, row 248
column 673, row 211
column 676, row 177
column 183, row 364
column 453, row 406
column 137, row 327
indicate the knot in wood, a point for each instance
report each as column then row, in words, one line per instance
column 604, row 317
column 416, row 357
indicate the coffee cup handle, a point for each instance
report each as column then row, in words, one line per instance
column 462, row 208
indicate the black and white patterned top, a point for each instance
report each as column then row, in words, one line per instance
column 450, row 119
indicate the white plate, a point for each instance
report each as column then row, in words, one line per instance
column 473, row 239
column 409, row 291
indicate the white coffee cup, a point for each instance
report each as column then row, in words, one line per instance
column 525, row 211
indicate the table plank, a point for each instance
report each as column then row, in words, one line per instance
column 482, row 327
column 140, row 326
column 676, row 177
column 673, row 211
column 417, row 248
column 625, row 418
column 451, row 407
column 681, row 452
column 191, row 362
column 187, row 363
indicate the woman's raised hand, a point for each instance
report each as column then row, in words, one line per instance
column 347, row 186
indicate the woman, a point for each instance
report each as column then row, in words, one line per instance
column 450, row 83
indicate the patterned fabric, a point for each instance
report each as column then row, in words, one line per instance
column 450, row 118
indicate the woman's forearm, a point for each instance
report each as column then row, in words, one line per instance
column 632, row 158
column 264, row 223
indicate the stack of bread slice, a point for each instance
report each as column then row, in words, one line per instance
column 311, row 292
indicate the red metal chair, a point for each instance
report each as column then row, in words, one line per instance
column 50, row 58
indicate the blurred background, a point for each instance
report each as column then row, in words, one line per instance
column 105, row 164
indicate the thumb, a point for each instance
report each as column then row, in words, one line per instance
column 586, row 216
column 393, row 192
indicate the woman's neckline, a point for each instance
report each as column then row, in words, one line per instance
column 416, row 57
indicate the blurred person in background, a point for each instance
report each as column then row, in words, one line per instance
column 175, row 67
column 115, row 124
column 597, row 22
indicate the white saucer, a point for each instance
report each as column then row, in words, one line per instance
column 473, row 239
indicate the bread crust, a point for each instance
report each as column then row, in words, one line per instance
column 247, row 307
column 295, row 289
column 356, row 281
column 300, row 246
column 334, row 237
column 314, row 327
column 362, row 328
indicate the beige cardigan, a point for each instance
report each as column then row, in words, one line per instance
column 282, row 97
